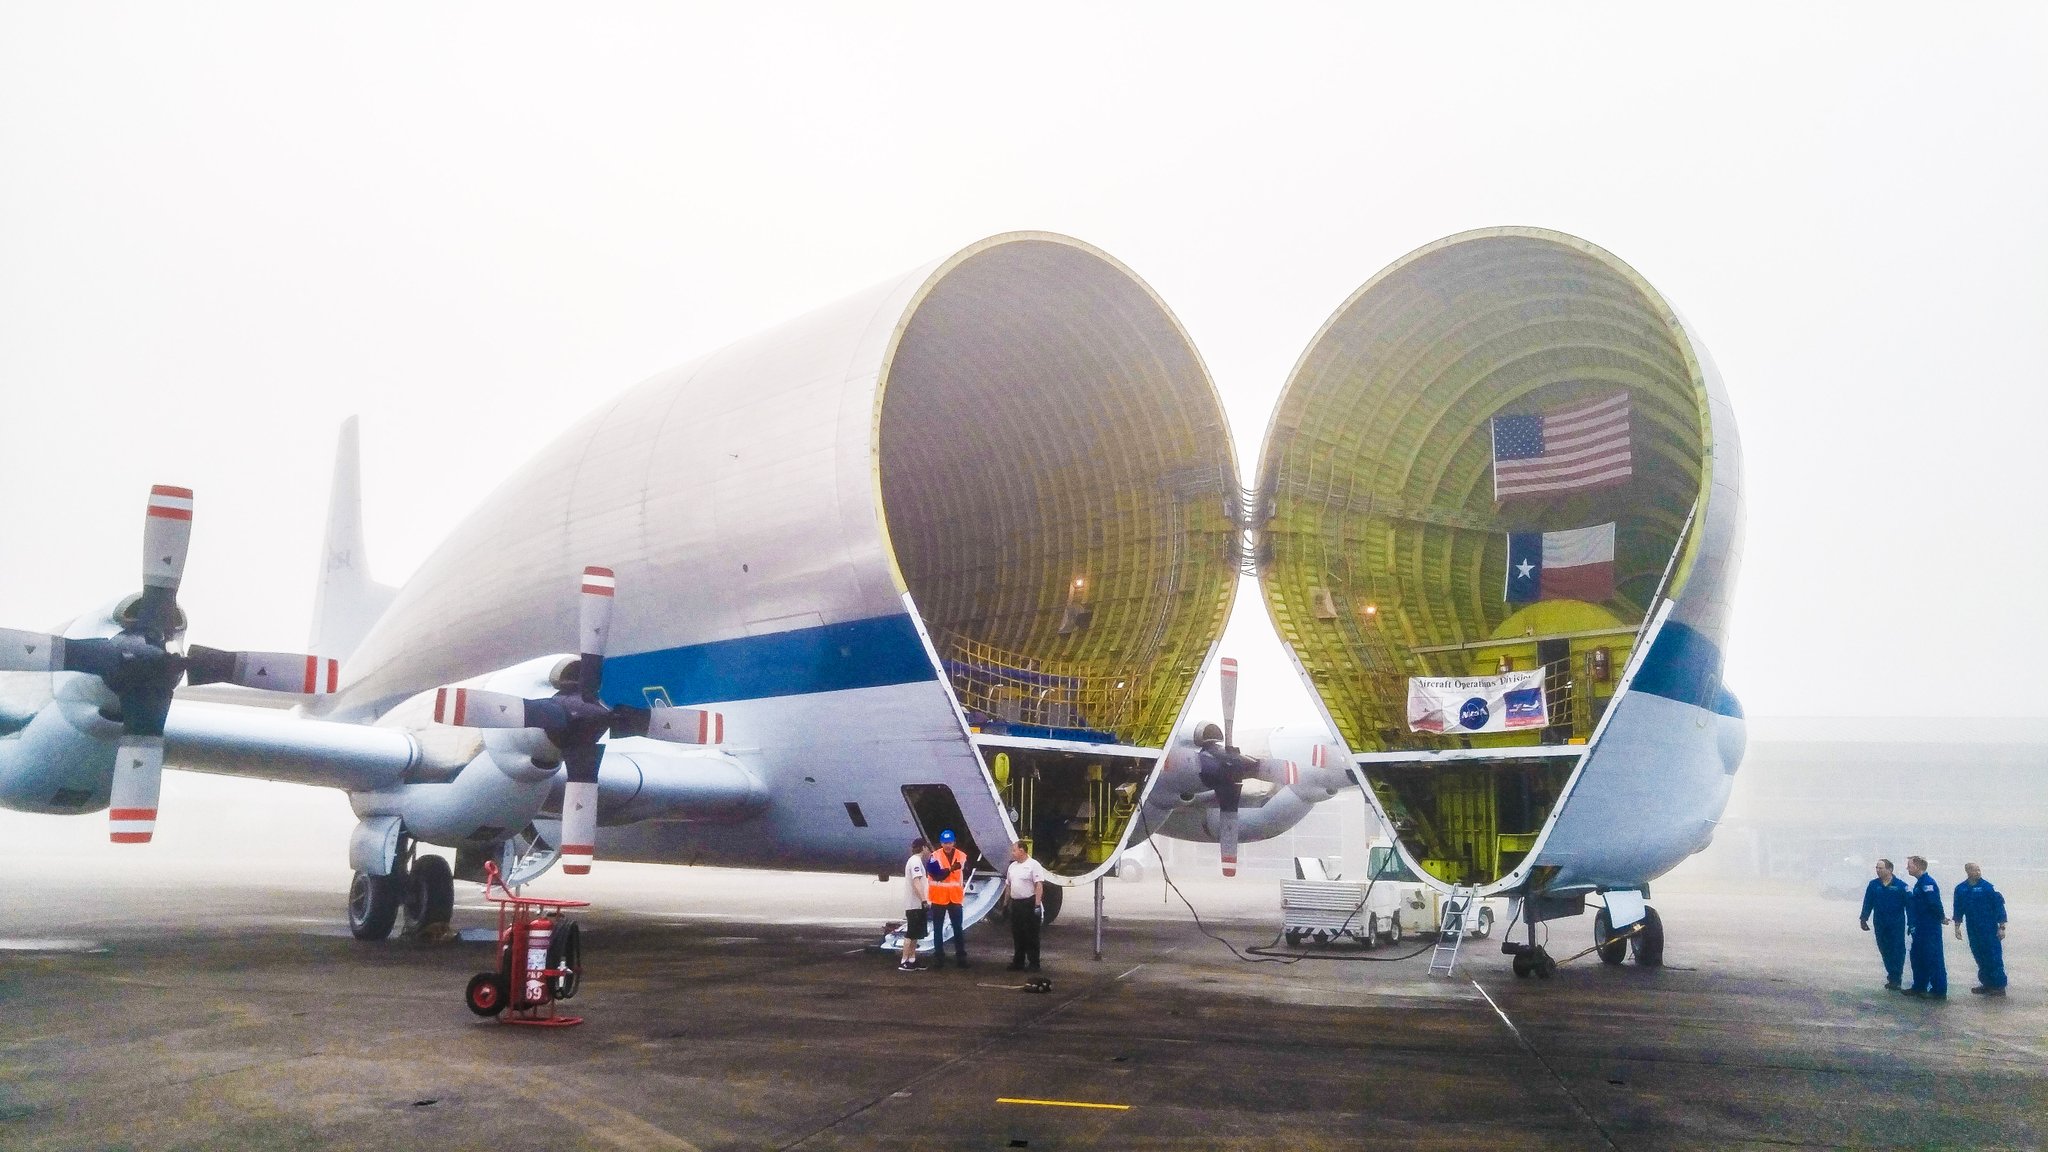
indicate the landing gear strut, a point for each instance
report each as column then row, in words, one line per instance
column 1531, row 959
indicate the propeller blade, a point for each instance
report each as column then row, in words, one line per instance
column 475, row 708
column 579, row 808
column 1226, row 839
column 293, row 672
column 599, row 585
column 685, row 725
column 1229, row 687
column 30, row 651
column 595, row 612
column 166, row 535
column 138, row 777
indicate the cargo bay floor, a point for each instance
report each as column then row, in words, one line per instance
column 729, row 1010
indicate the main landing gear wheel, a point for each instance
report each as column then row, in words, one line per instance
column 373, row 903
column 1535, row 962
column 1612, row 951
column 487, row 994
column 1648, row 944
column 430, row 891
column 1054, row 897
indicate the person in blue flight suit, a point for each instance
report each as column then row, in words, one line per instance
column 1924, row 918
column 1884, row 900
column 1982, row 908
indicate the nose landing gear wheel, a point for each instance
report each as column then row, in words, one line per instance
column 373, row 905
column 1648, row 944
column 1612, row 951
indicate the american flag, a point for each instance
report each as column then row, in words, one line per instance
column 1584, row 445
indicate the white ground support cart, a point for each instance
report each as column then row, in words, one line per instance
column 1318, row 907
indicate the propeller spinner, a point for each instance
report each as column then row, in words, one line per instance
column 577, row 721
column 139, row 668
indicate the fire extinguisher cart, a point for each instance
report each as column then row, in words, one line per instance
column 540, row 959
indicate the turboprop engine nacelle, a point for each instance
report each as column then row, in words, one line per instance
column 1288, row 771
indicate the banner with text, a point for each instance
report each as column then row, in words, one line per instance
column 1464, row 704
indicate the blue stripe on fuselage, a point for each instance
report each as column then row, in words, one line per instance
column 856, row 654
column 1685, row 666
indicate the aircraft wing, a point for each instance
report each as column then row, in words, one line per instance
column 263, row 744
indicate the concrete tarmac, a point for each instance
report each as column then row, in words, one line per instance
column 733, row 1010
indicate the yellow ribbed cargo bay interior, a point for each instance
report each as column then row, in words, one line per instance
column 1385, row 553
column 1055, row 469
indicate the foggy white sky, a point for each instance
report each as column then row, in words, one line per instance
column 223, row 229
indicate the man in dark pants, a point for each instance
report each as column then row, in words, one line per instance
column 1983, row 907
column 1884, row 900
column 946, row 888
column 1925, row 919
column 1024, row 888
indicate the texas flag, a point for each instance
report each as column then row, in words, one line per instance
column 1577, row 564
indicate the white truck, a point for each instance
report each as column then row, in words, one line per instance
column 1320, row 906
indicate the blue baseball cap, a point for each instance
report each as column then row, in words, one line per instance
column 946, row 837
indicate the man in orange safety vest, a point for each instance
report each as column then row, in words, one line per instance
column 946, row 888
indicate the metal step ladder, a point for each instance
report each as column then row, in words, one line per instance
column 1461, row 904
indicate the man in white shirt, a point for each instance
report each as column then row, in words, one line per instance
column 914, row 910
column 1024, row 887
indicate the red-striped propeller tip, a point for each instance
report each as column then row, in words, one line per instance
column 169, row 503
column 599, row 581
column 321, row 675
column 131, row 825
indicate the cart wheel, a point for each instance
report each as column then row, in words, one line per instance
column 566, row 951
column 1485, row 923
column 1294, row 937
column 486, row 994
column 1372, row 930
column 1394, row 929
column 373, row 905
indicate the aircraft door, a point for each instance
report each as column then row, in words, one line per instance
column 933, row 809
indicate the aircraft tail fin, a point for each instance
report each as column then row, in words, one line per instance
column 348, row 602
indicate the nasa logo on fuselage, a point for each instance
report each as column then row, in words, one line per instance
column 1473, row 714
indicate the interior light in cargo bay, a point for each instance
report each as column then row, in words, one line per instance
column 1370, row 610
column 1506, row 665
column 1599, row 665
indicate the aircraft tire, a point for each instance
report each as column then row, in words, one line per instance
column 1523, row 965
column 1054, row 897
column 430, row 891
column 1648, row 945
column 373, row 903
column 1611, row 951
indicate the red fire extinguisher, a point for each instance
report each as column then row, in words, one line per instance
column 538, row 989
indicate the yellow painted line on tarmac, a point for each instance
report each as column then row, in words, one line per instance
column 1062, row 1103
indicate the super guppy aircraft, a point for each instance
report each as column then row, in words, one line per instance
column 954, row 552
